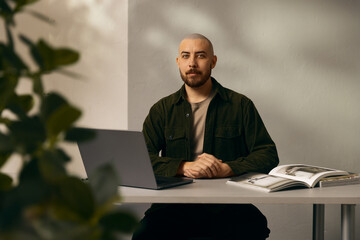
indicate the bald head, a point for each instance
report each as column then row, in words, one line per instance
column 196, row 59
column 200, row 36
column 196, row 36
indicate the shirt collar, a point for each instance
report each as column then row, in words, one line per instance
column 219, row 90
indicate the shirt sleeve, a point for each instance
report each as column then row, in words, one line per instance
column 262, row 155
column 153, row 129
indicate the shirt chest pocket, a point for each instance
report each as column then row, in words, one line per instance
column 228, row 143
column 175, row 142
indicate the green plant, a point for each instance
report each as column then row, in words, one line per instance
column 47, row 202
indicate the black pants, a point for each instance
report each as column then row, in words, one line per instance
column 202, row 221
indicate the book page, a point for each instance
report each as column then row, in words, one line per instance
column 305, row 173
column 262, row 181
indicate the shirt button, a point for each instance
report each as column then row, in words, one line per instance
column 187, row 115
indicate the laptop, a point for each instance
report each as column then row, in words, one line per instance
column 128, row 154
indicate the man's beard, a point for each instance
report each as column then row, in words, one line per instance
column 193, row 82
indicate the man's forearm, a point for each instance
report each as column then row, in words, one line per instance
column 259, row 161
column 165, row 166
column 181, row 169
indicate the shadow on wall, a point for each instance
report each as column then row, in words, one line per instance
column 98, row 29
column 298, row 61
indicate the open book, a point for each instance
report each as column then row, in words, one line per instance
column 285, row 176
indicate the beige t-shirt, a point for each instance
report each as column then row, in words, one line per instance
column 199, row 111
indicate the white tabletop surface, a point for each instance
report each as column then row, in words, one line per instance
column 217, row 191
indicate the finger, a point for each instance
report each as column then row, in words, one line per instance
column 215, row 167
column 201, row 171
column 210, row 158
column 204, row 169
column 193, row 174
column 187, row 173
column 212, row 164
column 211, row 170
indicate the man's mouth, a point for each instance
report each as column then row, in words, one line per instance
column 192, row 72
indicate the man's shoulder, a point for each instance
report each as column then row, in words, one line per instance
column 234, row 96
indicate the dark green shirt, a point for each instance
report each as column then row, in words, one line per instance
column 234, row 133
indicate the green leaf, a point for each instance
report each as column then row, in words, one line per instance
column 47, row 228
column 27, row 134
column 22, row 3
column 104, row 183
column 30, row 172
column 62, row 119
column 33, row 51
column 31, row 190
column 7, row 89
column 61, row 155
column 5, row 121
column 4, row 156
column 79, row 134
column 54, row 58
column 5, row 182
column 5, row 8
column 31, row 186
column 50, row 104
column 5, row 143
column 58, row 114
column 51, row 165
column 6, row 12
column 10, row 62
column 9, row 38
column 74, row 199
column 49, row 58
column 21, row 104
column 119, row 221
column 38, row 87
column 6, row 148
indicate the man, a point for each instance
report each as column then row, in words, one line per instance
column 205, row 131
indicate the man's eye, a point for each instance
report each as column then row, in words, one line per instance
column 185, row 56
column 201, row 56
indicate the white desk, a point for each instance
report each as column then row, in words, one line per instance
column 216, row 191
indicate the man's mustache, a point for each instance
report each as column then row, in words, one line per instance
column 193, row 71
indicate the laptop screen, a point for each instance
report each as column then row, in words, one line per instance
column 125, row 150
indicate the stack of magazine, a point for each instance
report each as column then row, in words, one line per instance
column 295, row 175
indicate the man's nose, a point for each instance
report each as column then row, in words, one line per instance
column 192, row 62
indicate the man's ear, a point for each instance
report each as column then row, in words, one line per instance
column 177, row 61
column 213, row 62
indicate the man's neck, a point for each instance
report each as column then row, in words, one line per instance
column 196, row 95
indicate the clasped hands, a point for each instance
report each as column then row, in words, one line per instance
column 205, row 166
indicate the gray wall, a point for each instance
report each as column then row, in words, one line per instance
column 297, row 60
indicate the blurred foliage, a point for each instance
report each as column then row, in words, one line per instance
column 47, row 202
